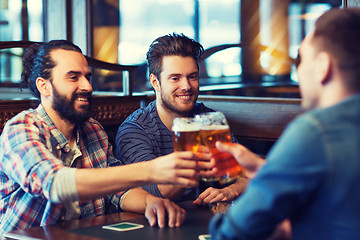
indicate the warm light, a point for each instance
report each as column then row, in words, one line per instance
column 307, row 16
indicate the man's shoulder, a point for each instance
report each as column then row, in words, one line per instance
column 93, row 123
column 347, row 110
column 24, row 123
column 29, row 115
column 199, row 108
column 143, row 115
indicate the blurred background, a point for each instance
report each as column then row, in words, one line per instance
column 251, row 45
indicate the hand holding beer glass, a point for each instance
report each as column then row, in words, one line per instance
column 214, row 128
column 186, row 137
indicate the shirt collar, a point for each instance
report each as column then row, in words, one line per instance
column 61, row 141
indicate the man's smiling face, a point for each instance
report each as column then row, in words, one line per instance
column 72, row 91
column 179, row 84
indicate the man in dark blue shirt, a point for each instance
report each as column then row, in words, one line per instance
column 146, row 135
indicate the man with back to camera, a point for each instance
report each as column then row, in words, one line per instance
column 311, row 175
column 54, row 160
column 146, row 134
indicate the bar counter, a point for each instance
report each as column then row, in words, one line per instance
column 196, row 223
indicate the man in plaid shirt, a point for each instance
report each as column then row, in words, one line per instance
column 55, row 160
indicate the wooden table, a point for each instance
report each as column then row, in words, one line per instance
column 196, row 223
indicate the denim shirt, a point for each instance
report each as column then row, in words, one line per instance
column 311, row 177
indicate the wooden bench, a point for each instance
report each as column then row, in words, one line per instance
column 256, row 122
column 110, row 111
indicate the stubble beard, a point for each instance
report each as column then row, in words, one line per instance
column 171, row 105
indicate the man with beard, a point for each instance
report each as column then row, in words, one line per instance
column 146, row 134
column 54, row 160
column 311, row 176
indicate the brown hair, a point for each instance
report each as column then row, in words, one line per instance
column 171, row 45
column 338, row 33
column 37, row 62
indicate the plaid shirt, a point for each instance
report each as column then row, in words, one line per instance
column 32, row 150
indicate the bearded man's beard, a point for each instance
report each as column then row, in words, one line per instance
column 65, row 107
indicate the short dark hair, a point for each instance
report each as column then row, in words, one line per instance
column 338, row 32
column 171, row 45
column 37, row 62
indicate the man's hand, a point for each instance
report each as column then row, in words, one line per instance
column 282, row 231
column 228, row 193
column 156, row 209
column 181, row 168
column 214, row 195
column 249, row 160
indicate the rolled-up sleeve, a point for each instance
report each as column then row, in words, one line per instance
column 27, row 158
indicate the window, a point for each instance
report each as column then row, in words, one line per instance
column 18, row 22
column 122, row 31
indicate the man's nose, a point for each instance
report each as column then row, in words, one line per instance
column 85, row 84
column 185, row 84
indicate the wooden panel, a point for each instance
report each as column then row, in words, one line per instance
column 256, row 122
column 108, row 110
column 255, row 118
column 8, row 109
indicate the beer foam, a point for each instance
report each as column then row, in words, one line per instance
column 215, row 127
column 186, row 127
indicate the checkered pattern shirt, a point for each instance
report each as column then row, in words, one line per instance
column 32, row 150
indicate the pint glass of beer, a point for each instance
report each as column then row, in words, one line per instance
column 185, row 134
column 214, row 128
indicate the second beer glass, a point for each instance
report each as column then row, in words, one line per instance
column 215, row 128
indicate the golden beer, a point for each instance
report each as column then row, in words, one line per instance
column 216, row 129
column 186, row 140
column 185, row 135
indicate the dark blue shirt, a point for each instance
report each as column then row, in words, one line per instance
column 143, row 136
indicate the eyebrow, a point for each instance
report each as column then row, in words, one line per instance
column 196, row 72
column 179, row 74
column 77, row 73
column 174, row 75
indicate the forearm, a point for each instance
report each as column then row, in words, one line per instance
column 171, row 191
column 176, row 168
column 93, row 183
column 237, row 188
column 135, row 200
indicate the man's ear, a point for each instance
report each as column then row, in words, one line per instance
column 43, row 86
column 155, row 83
column 324, row 67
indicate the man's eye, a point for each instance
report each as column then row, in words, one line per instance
column 194, row 78
column 297, row 60
column 74, row 77
column 174, row 78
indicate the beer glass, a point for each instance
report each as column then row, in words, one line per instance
column 185, row 134
column 214, row 128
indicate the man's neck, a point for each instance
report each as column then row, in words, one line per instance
column 166, row 116
column 333, row 94
column 64, row 126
